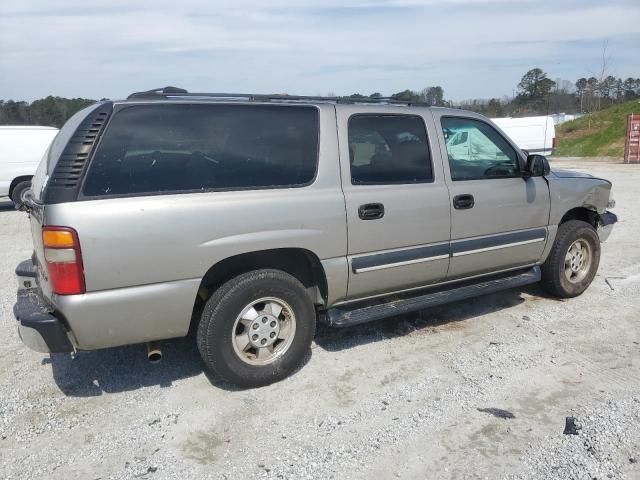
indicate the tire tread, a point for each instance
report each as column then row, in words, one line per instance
column 551, row 271
column 210, row 324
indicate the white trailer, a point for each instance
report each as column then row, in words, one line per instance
column 534, row 134
column 21, row 149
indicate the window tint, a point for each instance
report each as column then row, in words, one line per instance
column 163, row 148
column 476, row 150
column 385, row 149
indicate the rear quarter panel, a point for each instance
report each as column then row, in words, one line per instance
column 161, row 246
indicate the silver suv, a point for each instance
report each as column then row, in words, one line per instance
column 251, row 218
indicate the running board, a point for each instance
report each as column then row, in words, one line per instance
column 345, row 317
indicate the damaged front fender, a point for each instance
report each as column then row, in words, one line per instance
column 568, row 193
column 605, row 225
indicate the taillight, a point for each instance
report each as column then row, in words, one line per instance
column 64, row 260
column 553, row 142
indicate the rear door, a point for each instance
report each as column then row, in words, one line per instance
column 498, row 219
column 397, row 202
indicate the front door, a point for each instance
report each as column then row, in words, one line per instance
column 397, row 201
column 498, row 219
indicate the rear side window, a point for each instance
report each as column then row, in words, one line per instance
column 388, row 149
column 183, row 147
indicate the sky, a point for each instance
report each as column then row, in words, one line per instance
column 472, row 48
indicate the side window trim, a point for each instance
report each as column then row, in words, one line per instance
column 400, row 115
column 518, row 155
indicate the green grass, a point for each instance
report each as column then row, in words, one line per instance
column 598, row 134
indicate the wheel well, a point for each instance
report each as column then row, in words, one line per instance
column 17, row 180
column 581, row 213
column 300, row 263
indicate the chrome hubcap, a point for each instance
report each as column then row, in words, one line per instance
column 263, row 331
column 577, row 261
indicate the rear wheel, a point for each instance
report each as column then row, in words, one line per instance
column 18, row 191
column 573, row 261
column 256, row 328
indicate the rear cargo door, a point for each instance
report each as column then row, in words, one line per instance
column 397, row 201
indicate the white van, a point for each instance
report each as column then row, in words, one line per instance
column 21, row 149
column 534, row 134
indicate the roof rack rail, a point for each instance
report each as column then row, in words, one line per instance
column 175, row 92
column 158, row 92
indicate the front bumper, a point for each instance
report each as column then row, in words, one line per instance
column 605, row 225
column 38, row 326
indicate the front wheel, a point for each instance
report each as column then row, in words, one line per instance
column 573, row 261
column 257, row 328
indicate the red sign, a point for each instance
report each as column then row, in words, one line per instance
column 632, row 145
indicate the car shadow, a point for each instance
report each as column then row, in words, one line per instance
column 120, row 369
column 112, row 370
column 7, row 206
column 449, row 315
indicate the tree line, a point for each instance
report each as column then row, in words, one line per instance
column 50, row 111
column 430, row 95
column 536, row 94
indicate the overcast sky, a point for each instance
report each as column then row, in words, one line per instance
column 472, row 48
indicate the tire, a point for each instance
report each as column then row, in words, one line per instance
column 567, row 273
column 18, row 190
column 222, row 323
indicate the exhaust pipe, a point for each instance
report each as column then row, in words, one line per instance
column 154, row 354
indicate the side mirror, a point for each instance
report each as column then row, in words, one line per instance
column 537, row 166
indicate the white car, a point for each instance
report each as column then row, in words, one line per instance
column 21, row 149
column 533, row 134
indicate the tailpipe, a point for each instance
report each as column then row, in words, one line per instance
column 154, row 353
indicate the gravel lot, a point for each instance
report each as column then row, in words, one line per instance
column 421, row 396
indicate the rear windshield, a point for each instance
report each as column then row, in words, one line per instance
column 196, row 147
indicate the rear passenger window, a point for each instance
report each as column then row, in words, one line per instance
column 388, row 149
column 183, row 147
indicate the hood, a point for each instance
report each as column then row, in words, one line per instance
column 570, row 174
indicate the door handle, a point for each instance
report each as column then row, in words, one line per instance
column 463, row 202
column 371, row 211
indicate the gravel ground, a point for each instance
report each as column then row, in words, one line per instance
column 473, row 390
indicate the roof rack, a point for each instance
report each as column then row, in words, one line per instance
column 175, row 92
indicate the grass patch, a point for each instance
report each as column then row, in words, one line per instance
column 596, row 134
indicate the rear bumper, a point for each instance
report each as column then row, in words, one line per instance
column 38, row 326
column 605, row 225
column 102, row 319
column 26, row 274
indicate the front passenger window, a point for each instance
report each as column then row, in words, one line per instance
column 476, row 150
